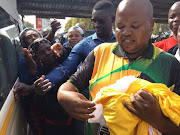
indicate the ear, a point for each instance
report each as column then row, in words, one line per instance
column 152, row 20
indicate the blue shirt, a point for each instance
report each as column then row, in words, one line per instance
column 66, row 43
column 77, row 55
column 23, row 70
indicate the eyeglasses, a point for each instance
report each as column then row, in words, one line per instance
column 100, row 21
column 35, row 45
column 39, row 41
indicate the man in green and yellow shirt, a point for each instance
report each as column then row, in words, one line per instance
column 133, row 54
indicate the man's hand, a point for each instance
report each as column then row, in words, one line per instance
column 55, row 25
column 22, row 89
column 42, row 86
column 57, row 49
column 31, row 63
column 75, row 103
column 77, row 106
column 146, row 107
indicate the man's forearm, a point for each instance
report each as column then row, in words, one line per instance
column 166, row 126
column 57, row 75
column 64, row 91
column 50, row 36
column 60, row 73
column 32, row 88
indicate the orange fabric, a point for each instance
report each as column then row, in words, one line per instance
column 110, row 67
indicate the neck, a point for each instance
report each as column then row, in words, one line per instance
column 133, row 56
column 175, row 36
column 137, row 54
column 106, row 37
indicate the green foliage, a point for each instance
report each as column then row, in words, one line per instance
column 164, row 28
column 86, row 21
column 68, row 24
column 28, row 24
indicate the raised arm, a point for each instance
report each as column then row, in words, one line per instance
column 55, row 25
column 68, row 67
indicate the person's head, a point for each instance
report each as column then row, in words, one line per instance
column 103, row 15
column 27, row 36
column 134, row 25
column 174, row 17
column 45, row 32
column 75, row 34
column 81, row 26
column 41, row 51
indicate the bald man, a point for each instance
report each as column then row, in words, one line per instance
column 81, row 26
column 134, row 55
column 173, row 21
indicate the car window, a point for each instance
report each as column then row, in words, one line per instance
column 3, row 79
column 10, row 52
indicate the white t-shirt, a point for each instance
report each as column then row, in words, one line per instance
column 177, row 55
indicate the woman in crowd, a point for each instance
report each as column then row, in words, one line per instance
column 75, row 35
column 56, row 120
column 24, row 88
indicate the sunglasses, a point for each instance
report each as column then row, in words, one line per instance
column 35, row 45
column 100, row 21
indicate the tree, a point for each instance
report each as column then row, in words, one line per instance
column 28, row 24
column 164, row 28
column 86, row 21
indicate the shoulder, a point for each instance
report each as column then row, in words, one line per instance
column 166, row 57
column 170, row 40
column 66, row 43
column 173, row 50
column 162, row 56
column 105, row 46
column 67, row 47
column 85, row 42
column 89, row 38
column 161, row 42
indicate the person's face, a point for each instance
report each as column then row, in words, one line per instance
column 30, row 36
column 178, row 37
column 133, row 30
column 45, row 54
column 74, row 37
column 174, row 18
column 102, row 22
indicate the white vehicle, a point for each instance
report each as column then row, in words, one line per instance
column 12, row 121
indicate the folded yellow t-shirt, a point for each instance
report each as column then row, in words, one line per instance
column 122, row 122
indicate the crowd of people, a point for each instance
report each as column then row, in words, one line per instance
column 57, row 83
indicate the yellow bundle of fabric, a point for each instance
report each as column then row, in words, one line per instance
column 122, row 122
